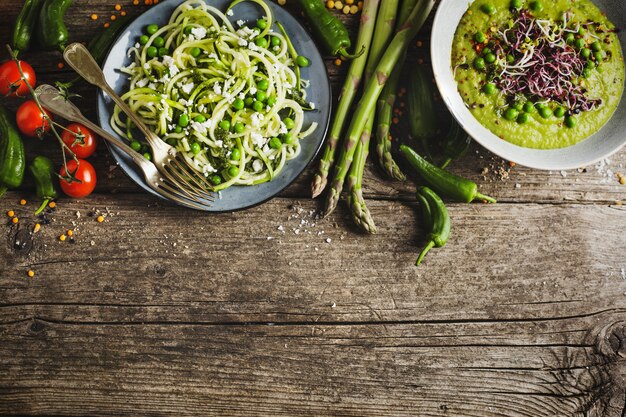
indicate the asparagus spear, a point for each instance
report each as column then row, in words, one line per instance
column 385, row 23
column 348, row 91
column 385, row 107
column 371, row 93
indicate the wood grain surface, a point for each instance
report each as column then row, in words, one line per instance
column 275, row 312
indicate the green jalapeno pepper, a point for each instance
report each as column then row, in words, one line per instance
column 455, row 144
column 442, row 181
column 25, row 23
column 328, row 28
column 51, row 30
column 12, row 157
column 42, row 171
column 437, row 222
column 422, row 118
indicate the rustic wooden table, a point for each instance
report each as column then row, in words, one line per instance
column 165, row 311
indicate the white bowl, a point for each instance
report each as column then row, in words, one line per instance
column 604, row 143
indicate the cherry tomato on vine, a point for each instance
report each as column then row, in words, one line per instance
column 82, row 141
column 84, row 172
column 30, row 120
column 11, row 83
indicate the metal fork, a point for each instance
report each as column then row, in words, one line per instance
column 56, row 103
column 168, row 162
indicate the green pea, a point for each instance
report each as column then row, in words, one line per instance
column 480, row 37
column 586, row 73
column 263, row 85
column 249, row 101
column 199, row 118
column 581, row 30
column 224, row 125
column 271, row 100
column 235, row 155
column 289, row 123
column 579, row 43
column 518, row 105
column 275, row 143
column 261, row 42
column 523, row 118
column 136, row 145
column 152, row 29
column 596, row 46
column 511, row 114
column 289, row 139
column 152, row 51
column 479, row 63
column 195, row 52
column 239, row 127
column 302, row 61
column 585, row 53
column 545, row 112
column 261, row 24
column 489, row 88
column 258, row 106
column 261, row 96
column 516, row 4
column 570, row 38
column 158, row 42
column 510, row 58
column 147, row 156
column 536, row 6
column 216, row 179
column 238, row 104
column 486, row 51
column 598, row 56
column 590, row 65
column 488, row 8
column 490, row 58
column 163, row 51
column 187, row 30
column 233, row 171
column 183, row 120
column 195, row 148
column 529, row 107
column 570, row 121
column 178, row 129
column 171, row 142
column 274, row 41
column 143, row 39
column 559, row 111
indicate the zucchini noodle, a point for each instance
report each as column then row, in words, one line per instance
column 229, row 99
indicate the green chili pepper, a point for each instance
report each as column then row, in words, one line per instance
column 25, row 23
column 442, row 181
column 51, row 30
column 328, row 28
column 42, row 171
column 12, row 157
column 100, row 45
column 422, row 118
column 455, row 144
column 438, row 222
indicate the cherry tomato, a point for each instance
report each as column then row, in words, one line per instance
column 85, row 172
column 10, row 80
column 30, row 119
column 82, row 142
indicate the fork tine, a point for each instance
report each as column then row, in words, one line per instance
column 192, row 174
column 172, row 193
column 181, row 186
column 176, row 168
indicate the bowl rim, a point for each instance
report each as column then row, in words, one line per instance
column 529, row 157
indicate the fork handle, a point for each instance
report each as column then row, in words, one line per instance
column 79, row 58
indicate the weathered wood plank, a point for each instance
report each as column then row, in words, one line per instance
column 544, row 368
column 502, row 262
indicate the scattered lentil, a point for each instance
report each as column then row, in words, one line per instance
column 70, row 232
column 113, row 17
column 338, row 62
column 107, row 24
column 100, row 219
column 36, row 228
column 118, row 7
column 94, row 17
column 30, row 273
column 23, row 202
column 62, row 238
column 10, row 213
column 52, row 204
column 60, row 65
column 15, row 220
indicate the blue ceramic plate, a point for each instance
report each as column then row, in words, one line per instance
column 236, row 197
